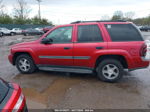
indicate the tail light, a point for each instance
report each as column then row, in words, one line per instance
column 16, row 102
column 19, row 103
column 143, row 50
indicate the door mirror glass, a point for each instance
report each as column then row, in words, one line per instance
column 47, row 41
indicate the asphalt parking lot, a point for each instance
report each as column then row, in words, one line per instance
column 63, row 90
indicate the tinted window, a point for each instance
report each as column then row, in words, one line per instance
column 123, row 32
column 3, row 90
column 61, row 35
column 89, row 33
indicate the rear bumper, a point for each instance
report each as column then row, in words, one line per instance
column 145, row 59
column 137, row 68
column 14, row 101
column 139, row 63
column 25, row 109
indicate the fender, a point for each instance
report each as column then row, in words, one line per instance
column 120, row 52
column 27, row 50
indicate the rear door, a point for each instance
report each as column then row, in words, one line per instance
column 89, row 40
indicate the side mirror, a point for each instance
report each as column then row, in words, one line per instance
column 47, row 41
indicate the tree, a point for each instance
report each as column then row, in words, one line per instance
column 129, row 15
column 35, row 20
column 105, row 17
column 43, row 21
column 6, row 19
column 39, row 11
column 18, row 20
column 2, row 6
column 142, row 21
column 117, row 15
column 21, row 10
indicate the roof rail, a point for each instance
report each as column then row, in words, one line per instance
column 98, row 21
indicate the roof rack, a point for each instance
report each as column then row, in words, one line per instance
column 98, row 21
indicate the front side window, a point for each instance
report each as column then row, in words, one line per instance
column 123, row 32
column 89, row 33
column 61, row 35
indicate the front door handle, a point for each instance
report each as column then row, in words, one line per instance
column 66, row 48
column 99, row 47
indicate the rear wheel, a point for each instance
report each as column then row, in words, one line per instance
column 110, row 70
column 25, row 64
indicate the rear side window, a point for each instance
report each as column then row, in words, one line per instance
column 123, row 32
column 89, row 33
column 3, row 90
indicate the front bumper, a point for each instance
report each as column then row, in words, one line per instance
column 10, row 58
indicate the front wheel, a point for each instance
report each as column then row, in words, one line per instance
column 26, row 34
column 25, row 64
column 1, row 34
column 110, row 70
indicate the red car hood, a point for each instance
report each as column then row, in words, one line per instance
column 24, row 44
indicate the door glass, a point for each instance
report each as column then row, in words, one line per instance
column 61, row 35
column 89, row 33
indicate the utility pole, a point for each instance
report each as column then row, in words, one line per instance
column 39, row 12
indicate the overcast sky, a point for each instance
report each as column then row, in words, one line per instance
column 66, row 11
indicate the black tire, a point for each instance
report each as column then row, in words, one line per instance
column 12, row 33
column 102, row 67
column 1, row 34
column 26, row 34
column 30, row 61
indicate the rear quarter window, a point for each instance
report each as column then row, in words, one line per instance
column 123, row 32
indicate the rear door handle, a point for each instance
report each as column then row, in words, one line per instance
column 66, row 48
column 99, row 47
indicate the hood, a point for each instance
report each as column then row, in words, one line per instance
column 24, row 44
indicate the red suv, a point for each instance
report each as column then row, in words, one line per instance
column 105, row 47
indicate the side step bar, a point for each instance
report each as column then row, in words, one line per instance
column 64, row 69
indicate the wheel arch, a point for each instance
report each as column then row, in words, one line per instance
column 16, row 54
column 120, row 58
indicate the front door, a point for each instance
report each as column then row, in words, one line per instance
column 60, row 51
